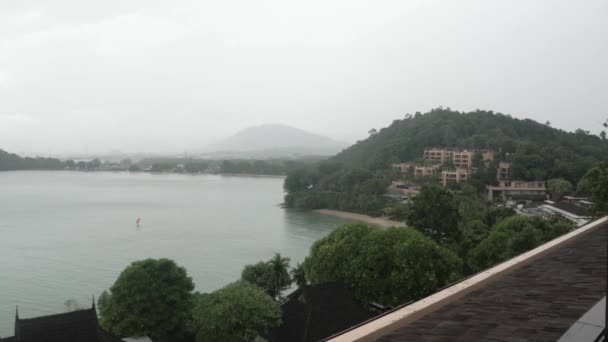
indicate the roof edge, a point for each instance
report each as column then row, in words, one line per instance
column 374, row 329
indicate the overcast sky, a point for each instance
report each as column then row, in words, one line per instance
column 82, row 76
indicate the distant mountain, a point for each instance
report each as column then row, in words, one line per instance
column 274, row 140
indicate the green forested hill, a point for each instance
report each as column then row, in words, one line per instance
column 356, row 178
column 537, row 150
column 11, row 161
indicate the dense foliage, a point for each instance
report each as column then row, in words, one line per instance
column 150, row 297
column 11, row 161
column 595, row 183
column 537, row 150
column 272, row 276
column 389, row 266
column 354, row 179
column 435, row 213
column 511, row 237
column 558, row 187
column 238, row 312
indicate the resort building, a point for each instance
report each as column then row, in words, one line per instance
column 535, row 190
column 487, row 156
column 401, row 190
column 555, row 292
column 463, row 159
column 460, row 158
column 460, row 175
column 403, row 167
column 426, row 170
column 503, row 171
column 439, row 155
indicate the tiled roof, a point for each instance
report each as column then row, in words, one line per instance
column 75, row 326
column 318, row 311
column 537, row 302
column 571, row 208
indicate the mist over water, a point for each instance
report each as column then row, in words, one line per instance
column 68, row 235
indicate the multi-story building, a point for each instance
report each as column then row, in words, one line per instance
column 426, row 170
column 487, row 156
column 460, row 158
column 463, row 159
column 404, row 167
column 518, row 190
column 460, row 175
column 404, row 190
column 503, row 172
column 439, row 155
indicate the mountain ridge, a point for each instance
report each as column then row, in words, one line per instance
column 277, row 140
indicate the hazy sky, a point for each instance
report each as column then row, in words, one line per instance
column 84, row 76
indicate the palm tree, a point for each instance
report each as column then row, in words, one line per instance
column 280, row 270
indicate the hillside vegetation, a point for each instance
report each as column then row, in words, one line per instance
column 11, row 161
column 356, row 178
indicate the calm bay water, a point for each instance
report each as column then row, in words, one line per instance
column 67, row 235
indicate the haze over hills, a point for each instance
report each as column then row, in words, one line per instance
column 275, row 140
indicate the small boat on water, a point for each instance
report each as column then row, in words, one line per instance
column 138, row 221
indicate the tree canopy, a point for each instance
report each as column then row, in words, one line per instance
column 272, row 275
column 239, row 312
column 389, row 266
column 595, row 183
column 558, row 187
column 511, row 237
column 434, row 212
column 151, row 297
column 11, row 161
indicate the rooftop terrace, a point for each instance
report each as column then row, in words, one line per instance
column 536, row 296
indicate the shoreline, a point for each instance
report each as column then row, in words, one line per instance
column 379, row 221
column 155, row 172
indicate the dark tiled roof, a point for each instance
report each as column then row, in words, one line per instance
column 75, row 326
column 571, row 208
column 318, row 311
column 537, row 302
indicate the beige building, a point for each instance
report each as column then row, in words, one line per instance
column 503, row 172
column 518, row 190
column 460, row 175
column 404, row 167
column 439, row 155
column 426, row 170
column 460, row 158
column 463, row 159
column 487, row 156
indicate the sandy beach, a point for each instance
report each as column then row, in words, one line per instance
column 379, row 221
